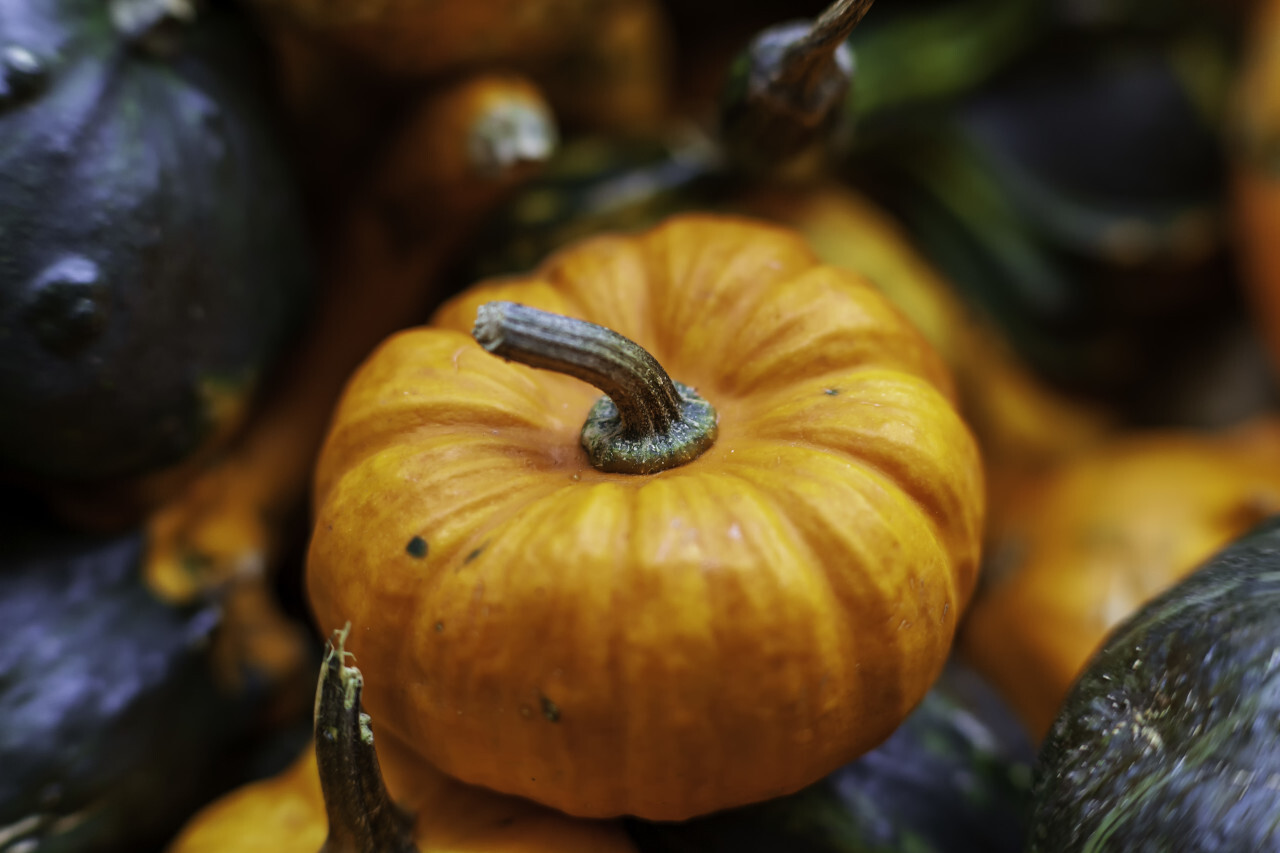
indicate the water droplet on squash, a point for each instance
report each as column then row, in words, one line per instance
column 22, row 74
column 66, row 305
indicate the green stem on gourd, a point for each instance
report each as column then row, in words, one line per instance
column 362, row 817
column 810, row 61
column 646, row 423
column 787, row 92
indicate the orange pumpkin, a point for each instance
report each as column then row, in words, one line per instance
column 287, row 814
column 660, row 644
column 1077, row 550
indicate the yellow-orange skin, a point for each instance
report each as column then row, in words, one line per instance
column 1019, row 422
column 286, row 814
column 670, row 644
column 1079, row 549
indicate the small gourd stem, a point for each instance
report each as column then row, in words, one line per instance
column 806, row 63
column 785, row 99
column 645, row 423
column 362, row 817
column 647, row 399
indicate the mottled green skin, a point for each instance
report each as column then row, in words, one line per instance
column 1170, row 739
column 152, row 254
column 1074, row 203
column 114, row 730
column 954, row 778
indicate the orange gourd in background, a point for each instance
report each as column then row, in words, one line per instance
column 660, row 644
column 1075, row 550
column 1019, row 421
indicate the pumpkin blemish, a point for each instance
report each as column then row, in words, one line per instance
column 550, row 710
column 417, row 547
column 831, row 392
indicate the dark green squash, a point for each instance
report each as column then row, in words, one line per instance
column 152, row 252
column 1076, row 200
column 114, row 729
column 1168, row 741
column 954, row 778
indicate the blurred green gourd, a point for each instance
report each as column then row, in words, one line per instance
column 153, row 259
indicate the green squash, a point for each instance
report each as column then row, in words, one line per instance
column 1055, row 202
column 153, row 257
column 115, row 729
column 1168, row 739
column 954, row 778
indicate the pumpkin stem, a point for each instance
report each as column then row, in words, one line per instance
column 788, row 91
column 645, row 423
column 362, row 818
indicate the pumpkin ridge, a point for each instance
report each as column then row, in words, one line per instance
column 729, row 291
column 761, row 405
column 775, row 385
column 550, row 510
column 833, row 319
column 815, row 524
column 521, row 525
column 791, row 693
column 362, row 427
column 628, row 314
column 918, row 404
column 510, row 493
column 349, row 495
column 799, row 542
column 391, row 433
column 490, row 530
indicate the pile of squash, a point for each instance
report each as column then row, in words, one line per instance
column 665, row 427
